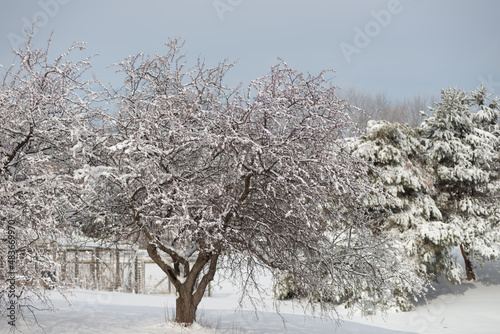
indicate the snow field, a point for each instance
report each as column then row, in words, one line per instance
column 466, row 308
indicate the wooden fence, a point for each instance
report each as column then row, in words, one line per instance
column 117, row 268
column 93, row 266
column 99, row 268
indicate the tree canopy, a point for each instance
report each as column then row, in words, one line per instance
column 258, row 175
column 463, row 139
column 45, row 114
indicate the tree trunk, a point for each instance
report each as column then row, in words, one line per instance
column 469, row 267
column 185, row 308
column 188, row 297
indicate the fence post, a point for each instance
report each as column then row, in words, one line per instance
column 64, row 261
column 117, row 273
column 98, row 267
column 77, row 271
column 136, row 274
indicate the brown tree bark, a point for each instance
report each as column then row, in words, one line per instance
column 189, row 297
column 185, row 308
column 469, row 267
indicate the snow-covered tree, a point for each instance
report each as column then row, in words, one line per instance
column 463, row 150
column 44, row 109
column 202, row 171
column 396, row 150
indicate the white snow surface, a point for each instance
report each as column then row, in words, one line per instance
column 466, row 308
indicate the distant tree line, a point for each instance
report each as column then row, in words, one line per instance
column 366, row 106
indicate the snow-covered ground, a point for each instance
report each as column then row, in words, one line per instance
column 468, row 308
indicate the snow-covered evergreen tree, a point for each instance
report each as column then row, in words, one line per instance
column 395, row 150
column 463, row 146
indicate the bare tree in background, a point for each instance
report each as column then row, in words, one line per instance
column 366, row 106
column 410, row 109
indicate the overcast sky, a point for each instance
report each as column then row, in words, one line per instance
column 401, row 47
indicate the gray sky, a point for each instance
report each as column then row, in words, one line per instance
column 401, row 47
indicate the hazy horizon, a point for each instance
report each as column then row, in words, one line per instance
column 404, row 48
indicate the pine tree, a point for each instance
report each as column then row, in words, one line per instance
column 463, row 144
column 414, row 220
